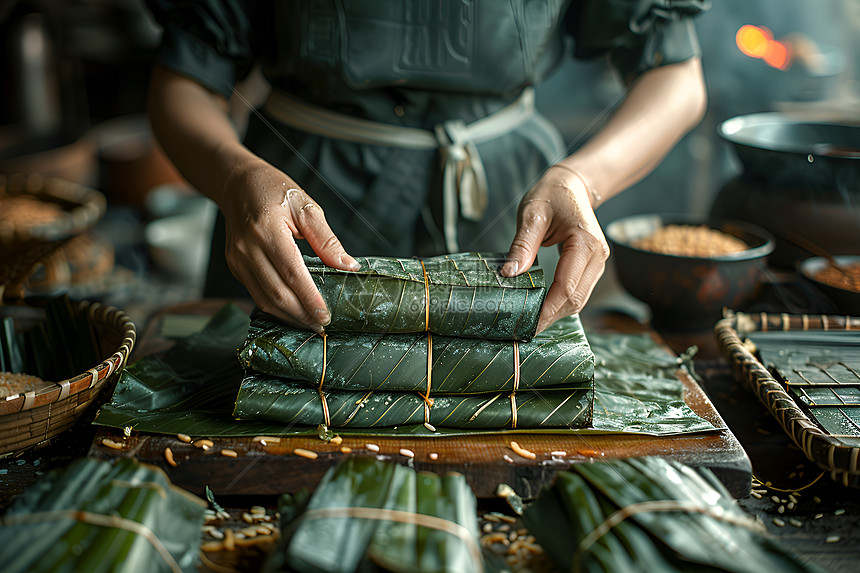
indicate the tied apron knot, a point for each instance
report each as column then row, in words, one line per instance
column 464, row 180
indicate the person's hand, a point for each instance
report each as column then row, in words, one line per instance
column 266, row 212
column 558, row 210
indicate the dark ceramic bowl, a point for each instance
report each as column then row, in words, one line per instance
column 683, row 292
column 844, row 301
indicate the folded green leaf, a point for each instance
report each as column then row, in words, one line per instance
column 93, row 515
column 678, row 519
column 468, row 296
column 557, row 356
column 368, row 515
column 268, row 398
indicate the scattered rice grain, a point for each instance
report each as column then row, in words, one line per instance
column 337, row 440
column 508, row 458
column 839, row 512
column 780, row 509
column 211, row 546
column 795, row 522
column 258, row 510
column 558, row 453
column 816, row 499
column 832, row 539
column 774, row 499
column 345, row 449
column 265, row 440
column 755, row 494
column 407, row 453
column 229, row 540
column 249, row 532
column 372, row 447
column 818, row 516
column 305, row 453
column 433, row 456
column 205, row 444
column 185, row 438
column 430, row 426
column 520, row 451
column 263, row 530
column 487, row 527
column 168, row 455
column 112, row 445
column 247, row 518
column 494, row 538
column 778, row 522
column 229, row 453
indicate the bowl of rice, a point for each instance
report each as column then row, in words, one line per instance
column 689, row 269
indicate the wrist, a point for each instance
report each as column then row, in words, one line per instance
column 594, row 196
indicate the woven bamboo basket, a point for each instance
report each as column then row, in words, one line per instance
column 830, row 452
column 31, row 419
column 23, row 243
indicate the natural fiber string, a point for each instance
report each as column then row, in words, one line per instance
column 653, row 507
column 396, row 515
column 516, row 384
column 428, row 401
column 326, row 417
column 810, row 484
column 101, row 521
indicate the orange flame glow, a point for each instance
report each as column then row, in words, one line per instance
column 757, row 42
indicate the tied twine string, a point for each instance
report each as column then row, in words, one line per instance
column 100, row 520
column 399, row 516
column 620, row 515
column 326, row 416
column 428, row 401
column 516, row 384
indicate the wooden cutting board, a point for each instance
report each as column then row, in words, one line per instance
column 271, row 467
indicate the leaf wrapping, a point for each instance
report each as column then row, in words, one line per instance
column 381, row 517
column 698, row 527
column 51, row 526
column 462, row 295
column 263, row 397
column 556, row 357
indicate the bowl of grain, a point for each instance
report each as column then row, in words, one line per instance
column 839, row 282
column 689, row 269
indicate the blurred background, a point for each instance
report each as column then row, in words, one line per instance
column 73, row 105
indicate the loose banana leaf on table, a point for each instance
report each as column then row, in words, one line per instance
column 192, row 389
column 368, row 516
column 93, row 515
column 468, row 296
column 676, row 518
column 263, row 397
column 558, row 356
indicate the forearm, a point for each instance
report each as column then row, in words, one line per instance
column 193, row 127
column 661, row 107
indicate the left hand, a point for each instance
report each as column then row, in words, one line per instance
column 558, row 210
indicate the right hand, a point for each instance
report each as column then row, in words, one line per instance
column 266, row 211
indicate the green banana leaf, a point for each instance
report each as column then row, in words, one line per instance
column 467, row 296
column 699, row 528
column 192, row 389
column 94, row 515
column 558, row 356
column 269, row 398
column 334, row 542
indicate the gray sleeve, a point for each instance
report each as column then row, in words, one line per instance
column 638, row 35
column 213, row 42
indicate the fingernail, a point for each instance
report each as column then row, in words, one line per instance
column 510, row 268
column 318, row 328
column 322, row 316
column 348, row 261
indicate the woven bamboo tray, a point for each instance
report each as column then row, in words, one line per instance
column 23, row 244
column 830, row 452
column 33, row 418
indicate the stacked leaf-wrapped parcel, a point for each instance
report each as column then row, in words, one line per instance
column 447, row 342
column 371, row 516
column 93, row 515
